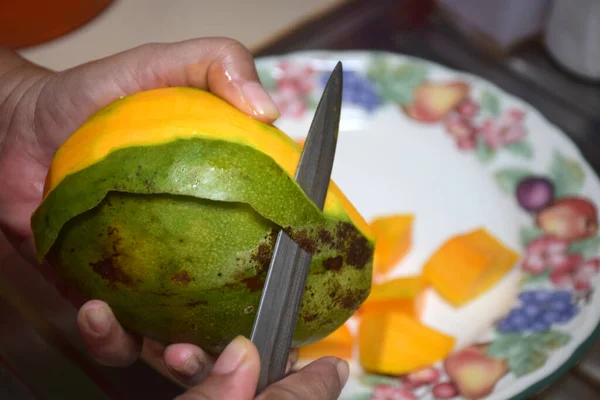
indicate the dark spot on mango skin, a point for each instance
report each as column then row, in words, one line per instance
column 334, row 263
column 310, row 317
column 325, row 237
column 262, row 258
column 197, row 303
column 303, row 239
column 359, row 251
column 108, row 269
column 111, row 230
column 264, row 252
column 349, row 300
column 182, row 278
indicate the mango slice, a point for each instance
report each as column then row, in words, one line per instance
column 394, row 343
column 338, row 344
column 467, row 265
column 393, row 234
column 401, row 294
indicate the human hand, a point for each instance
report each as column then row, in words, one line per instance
column 39, row 109
column 235, row 376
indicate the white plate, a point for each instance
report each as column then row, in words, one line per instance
column 455, row 172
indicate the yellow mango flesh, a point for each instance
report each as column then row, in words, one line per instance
column 163, row 115
column 467, row 265
column 400, row 294
column 394, row 343
column 393, row 234
column 338, row 344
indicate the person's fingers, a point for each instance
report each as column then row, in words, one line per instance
column 234, row 375
column 223, row 66
column 106, row 340
column 322, row 379
column 187, row 363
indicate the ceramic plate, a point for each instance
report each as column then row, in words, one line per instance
column 454, row 150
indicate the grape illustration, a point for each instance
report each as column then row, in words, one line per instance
column 535, row 193
column 538, row 311
column 357, row 90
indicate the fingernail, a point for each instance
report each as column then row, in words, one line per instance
column 190, row 368
column 232, row 357
column 98, row 320
column 259, row 100
column 343, row 370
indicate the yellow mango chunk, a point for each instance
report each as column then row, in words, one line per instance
column 398, row 294
column 394, row 343
column 468, row 265
column 338, row 344
column 393, row 234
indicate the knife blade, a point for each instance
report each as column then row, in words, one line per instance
column 285, row 282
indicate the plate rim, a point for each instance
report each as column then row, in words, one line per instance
column 553, row 375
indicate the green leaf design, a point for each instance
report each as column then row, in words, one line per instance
column 527, row 362
column 397, row 92
column 484, row 152
column 267, row 79
column 521, row 149
column 359, row 396
column 508, row 178
column 528, row 234
column 587, row 248
column 529, row 279
column 567, row 174
column 507, row 345
column 395, row 84
column 553, row 340
column 526, row 353
column 490, row 103
column 374, row 380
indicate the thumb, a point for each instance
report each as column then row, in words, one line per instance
column 234, row 375
column 322, row 379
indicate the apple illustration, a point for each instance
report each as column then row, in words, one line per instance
column 569, row 218
column 433, row 101
column 473, row 372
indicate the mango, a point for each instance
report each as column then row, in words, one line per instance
column 405, row 294
column 392, row 342
column 338, row 344
column 166, row 205
column 467, row 265
column 393, row 235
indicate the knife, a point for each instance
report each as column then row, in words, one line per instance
column 284, row 286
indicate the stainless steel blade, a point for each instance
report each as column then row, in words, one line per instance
column 277, row 313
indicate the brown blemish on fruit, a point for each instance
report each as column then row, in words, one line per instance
column 357, row 248
column 111, row 230
column 197, row 303
column 254, row 283
column 263, row 253
column 182, row 278
column 310, row 317
column 334, row 263
column 303, row 239
column 325, row 237
column 108, row 269
column 349, row 299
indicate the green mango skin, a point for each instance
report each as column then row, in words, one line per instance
column 177, row 266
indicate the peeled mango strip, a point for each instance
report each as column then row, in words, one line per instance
column 162, row 115
column 203, row 168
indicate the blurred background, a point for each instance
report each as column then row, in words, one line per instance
column 545, row 51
